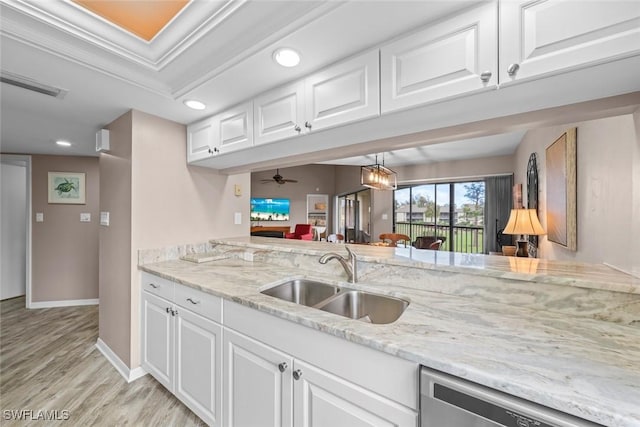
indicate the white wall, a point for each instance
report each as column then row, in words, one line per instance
column 606, row 194
column 13, row 229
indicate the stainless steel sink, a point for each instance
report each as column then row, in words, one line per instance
column 302, row 291
column 366, row 306
column 360, row 305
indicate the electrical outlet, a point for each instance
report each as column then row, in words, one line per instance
column 237, row 218
column 85, row 217
column 104, row 218
column 39, row 217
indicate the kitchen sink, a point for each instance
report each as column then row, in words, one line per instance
column 366, row 306
column 302, row 291
column 360, row 305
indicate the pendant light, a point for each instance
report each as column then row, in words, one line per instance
column 378, row 176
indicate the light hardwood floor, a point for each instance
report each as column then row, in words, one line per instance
column 48, row 361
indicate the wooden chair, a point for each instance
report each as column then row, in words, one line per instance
column 394, row 238
column 435, row 246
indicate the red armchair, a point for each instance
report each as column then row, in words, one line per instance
column 302, row 232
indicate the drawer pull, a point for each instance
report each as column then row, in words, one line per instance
column 154, row 286
column 169, row 310
column 192, row 301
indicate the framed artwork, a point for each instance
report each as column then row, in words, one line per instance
column 561, row 190
column 66, row 188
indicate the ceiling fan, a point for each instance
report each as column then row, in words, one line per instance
column 279, row 179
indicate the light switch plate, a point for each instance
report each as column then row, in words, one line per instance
column 237, row 190
column 385, row 217
column 104, row 218
column 39, row 217
column 237, row 218
column 85, row 217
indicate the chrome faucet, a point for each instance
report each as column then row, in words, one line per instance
column 349, row 264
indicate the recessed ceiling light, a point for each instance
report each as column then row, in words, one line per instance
column 196, row 105
column 63, row 143
column 286, row 57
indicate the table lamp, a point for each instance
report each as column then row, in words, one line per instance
column 523, row 221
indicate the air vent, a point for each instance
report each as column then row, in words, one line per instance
column 32, row 85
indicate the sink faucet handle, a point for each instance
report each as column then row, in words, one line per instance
column 352, row 255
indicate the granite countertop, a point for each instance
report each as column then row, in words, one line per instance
column 582, row 366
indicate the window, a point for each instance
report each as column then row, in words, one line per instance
column 450, row 211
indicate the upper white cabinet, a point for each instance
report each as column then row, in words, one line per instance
column 279, row 113
column 235, row 130
column 450, row 58
column 201, row 139
column 343, row 93
column 546, row 37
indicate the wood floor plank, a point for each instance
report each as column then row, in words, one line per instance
column 48, row 362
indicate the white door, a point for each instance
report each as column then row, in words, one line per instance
column 14, row 218
column 546, row 37
column 257, row 384
column 201, row 140
column 199, row 365
column 343, row 93
column 235, row 129
column 279, row 114
column 324, row 400
column 157, row 338
column 447, row 59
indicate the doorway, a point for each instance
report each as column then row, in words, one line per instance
column 15, row 219
column 354, row 216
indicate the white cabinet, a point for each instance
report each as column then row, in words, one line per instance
column 312, row 379
column 325, row 400
column 157, row 338
column 225, row 132
column 450, row 58
column 182, row 349
column 343, row 93
column 235, row 128
column 538, row 38
column 257, row 383
column 339, row 94
column 279, row 114
column 201, row 140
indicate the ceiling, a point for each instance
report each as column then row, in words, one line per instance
column 218, row 52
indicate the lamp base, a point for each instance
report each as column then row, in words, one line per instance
column 523, row 248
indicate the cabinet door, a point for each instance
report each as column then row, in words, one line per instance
column 199, row 365
column 544, row 37
column 157, row 339
column 445, row 60
column 343, row 93
column 235, row 128
column 279, row 114
column 201, row 140
column 256, row 392
column 324, row 400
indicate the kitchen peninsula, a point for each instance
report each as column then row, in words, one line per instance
column 569, row 341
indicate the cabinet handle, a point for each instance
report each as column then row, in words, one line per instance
column 174, row 312
column 297, row 128
column 192, row 301
column 282, row 366
column 513, row 69
column 215, row 150
column 154, row 286
column 169, row 310
column 307, row 125
column 485, row 76
column 297, row 374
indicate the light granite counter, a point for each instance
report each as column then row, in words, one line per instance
column 554, row 341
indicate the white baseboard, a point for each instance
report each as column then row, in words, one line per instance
column 63, row 303
column 128, row 374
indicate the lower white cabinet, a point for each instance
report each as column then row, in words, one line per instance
column 182, row 350
column 268, row 387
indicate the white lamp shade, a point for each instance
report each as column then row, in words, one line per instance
column 523, row 221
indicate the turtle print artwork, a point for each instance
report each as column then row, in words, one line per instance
column 66, row 187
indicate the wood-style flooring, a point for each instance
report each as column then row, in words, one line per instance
column 48, row 362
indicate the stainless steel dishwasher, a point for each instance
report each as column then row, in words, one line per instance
column 447, row 401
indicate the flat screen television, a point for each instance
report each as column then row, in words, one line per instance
column 264, row 209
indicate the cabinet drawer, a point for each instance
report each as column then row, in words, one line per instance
column 157, row 286
column 206, row 305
